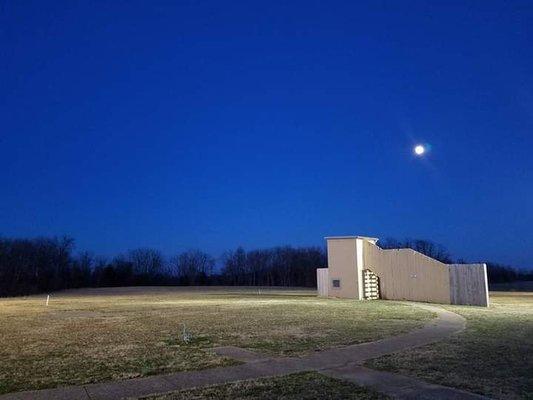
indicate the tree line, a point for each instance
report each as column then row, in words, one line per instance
column 41, row 265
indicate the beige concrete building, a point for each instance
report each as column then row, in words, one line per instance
column 359, row 269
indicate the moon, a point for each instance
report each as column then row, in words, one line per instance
column 419, row 150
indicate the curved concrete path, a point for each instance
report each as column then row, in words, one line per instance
column 342, row 362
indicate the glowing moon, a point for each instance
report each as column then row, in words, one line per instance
column 419, row 150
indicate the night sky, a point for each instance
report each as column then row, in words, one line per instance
column 186, row 124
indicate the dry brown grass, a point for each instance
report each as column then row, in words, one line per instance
column 302, row 386
column 493, row 356
column 102, row 334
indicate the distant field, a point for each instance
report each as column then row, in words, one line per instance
column 519, row 286
column 494, row 356
column 102, row 334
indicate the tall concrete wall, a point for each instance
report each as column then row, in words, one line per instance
column 405, row 274
column 342, row 264
column 468, row 284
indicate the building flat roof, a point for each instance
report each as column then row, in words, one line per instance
column 352, row 237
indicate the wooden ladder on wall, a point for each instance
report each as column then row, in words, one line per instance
column 370, row 285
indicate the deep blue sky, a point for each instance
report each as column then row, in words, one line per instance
column 217, row 124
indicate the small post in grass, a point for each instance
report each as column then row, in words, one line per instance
column 47, row 300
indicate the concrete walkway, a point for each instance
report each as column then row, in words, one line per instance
column 397, row 386
column 343, row 363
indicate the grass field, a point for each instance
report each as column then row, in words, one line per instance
column 103, row 334
column 304, row 386
column 494, row 356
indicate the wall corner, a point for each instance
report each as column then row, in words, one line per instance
column 359, row 260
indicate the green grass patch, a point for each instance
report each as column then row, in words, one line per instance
column 302, row 386
column 493, row 356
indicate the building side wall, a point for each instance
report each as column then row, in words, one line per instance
column 342, row 264
column 405, row 274
column 468, row 284
column 322, row 281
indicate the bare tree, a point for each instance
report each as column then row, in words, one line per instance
column 427, row 247
column 235, row 266
column 145, row 261
column 193, row 266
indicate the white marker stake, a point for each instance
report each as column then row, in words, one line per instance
column 47, row 300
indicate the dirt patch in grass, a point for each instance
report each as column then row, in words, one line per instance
column 303, row 386
column 96, row 335
column 493, row 356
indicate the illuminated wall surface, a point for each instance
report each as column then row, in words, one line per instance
column 403, row 274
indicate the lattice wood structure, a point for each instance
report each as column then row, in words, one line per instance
column 370, row 285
